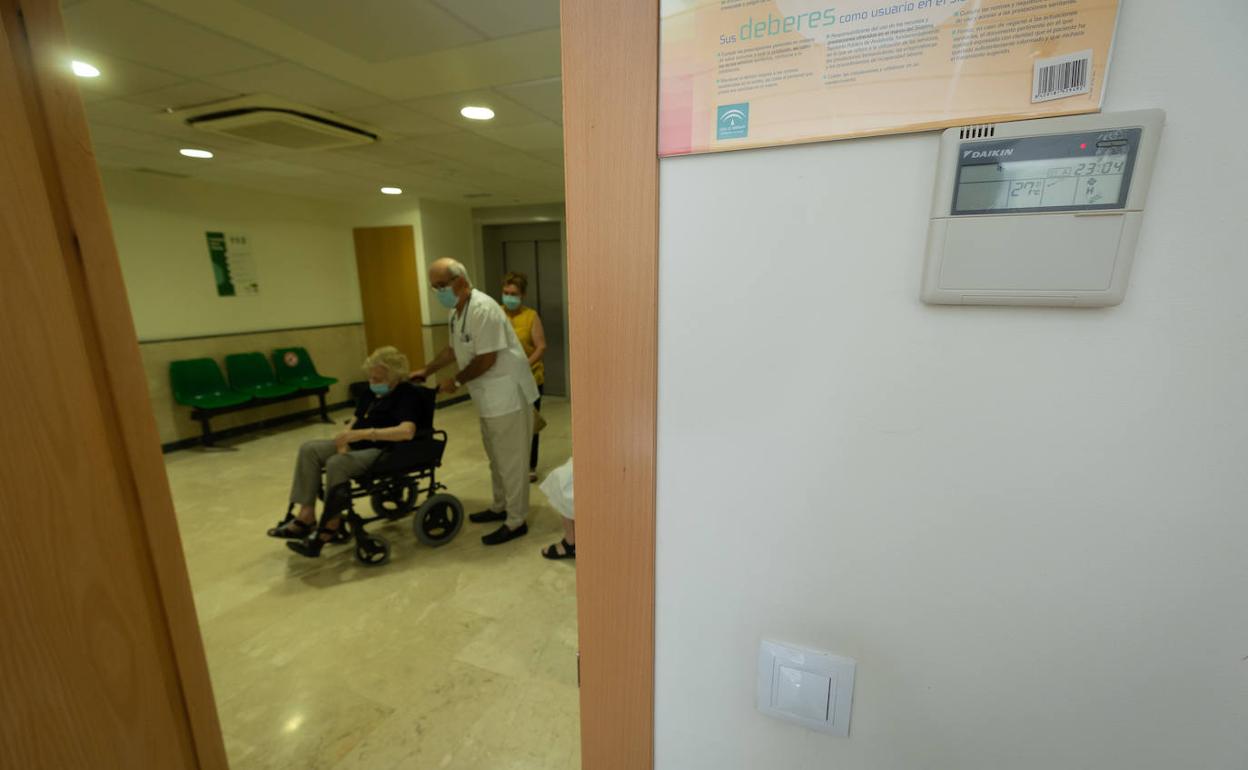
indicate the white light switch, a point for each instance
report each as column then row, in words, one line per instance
column 813, row 689
column 802, row 693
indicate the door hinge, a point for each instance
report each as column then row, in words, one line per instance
column 578, row 669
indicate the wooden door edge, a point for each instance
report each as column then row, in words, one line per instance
column 610, row 79
column 83, row 206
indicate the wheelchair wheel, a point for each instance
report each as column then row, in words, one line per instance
column 438, row 520
column 372, row 551
column 394, row 502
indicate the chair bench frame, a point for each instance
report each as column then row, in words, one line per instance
column 208, row 438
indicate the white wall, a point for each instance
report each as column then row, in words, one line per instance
column 446, row 231
column 1028, row 525
column 304, row 254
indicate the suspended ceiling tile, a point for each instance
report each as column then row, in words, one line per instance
column 185, row 94
column 525, row 166
column 299, row 84
column 339, row 163
column 502, row 18
column 140, row 33
column 553, row 157
column 446, row 107
column 137, row 140
column 545, row 97
column 535, row 136
column 463, row 146
column 398, row 152
column 373, row 30
column 124, row 114
column 269, row 167
column 118, row 77
column 395, row 119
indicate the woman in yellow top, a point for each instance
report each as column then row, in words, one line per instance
column 528, row 328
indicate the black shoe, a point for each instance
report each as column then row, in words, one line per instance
column 310, row 548
column 503, row 534
column 312, row 545
column 484, row 517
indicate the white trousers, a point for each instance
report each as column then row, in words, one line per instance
column 507, row 440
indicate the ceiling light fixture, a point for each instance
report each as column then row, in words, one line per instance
column 84, row 70
column 391, row 191
column 477, row 113
column 193, row 153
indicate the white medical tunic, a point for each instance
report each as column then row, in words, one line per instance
column 481, row 328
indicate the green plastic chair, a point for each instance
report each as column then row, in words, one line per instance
column 198, row 382
column 294, row 367
column 250, row 373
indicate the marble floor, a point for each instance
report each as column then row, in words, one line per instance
column 457, row 657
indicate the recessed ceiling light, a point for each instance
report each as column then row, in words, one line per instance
column 391, row 191
column 84, row 70
column 193, row 153
column 477, row 113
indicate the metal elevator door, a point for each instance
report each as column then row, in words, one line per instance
column 537, row 252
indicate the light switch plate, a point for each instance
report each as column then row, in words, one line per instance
column 814, row 689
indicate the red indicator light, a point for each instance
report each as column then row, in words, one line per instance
column 1083, row 146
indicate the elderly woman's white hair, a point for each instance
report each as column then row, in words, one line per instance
column 390, row 359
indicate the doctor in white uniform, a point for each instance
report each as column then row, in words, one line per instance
column 493, row 366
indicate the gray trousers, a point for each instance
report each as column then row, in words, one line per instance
column 322, row 454
column 507, row 441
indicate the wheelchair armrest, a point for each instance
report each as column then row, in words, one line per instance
column 422, row 451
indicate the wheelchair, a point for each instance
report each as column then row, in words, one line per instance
column 394, row 485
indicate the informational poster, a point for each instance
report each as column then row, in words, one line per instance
column 754, row 73
column 233, row 265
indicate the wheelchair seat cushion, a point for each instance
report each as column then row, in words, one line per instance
column 408, row 456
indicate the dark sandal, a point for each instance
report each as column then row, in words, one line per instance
column 290, row 528
column 552, row 551
column 311, row 546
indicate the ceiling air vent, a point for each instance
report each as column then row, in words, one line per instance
column 276, row 123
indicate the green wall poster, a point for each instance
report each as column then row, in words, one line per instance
column 233, row 267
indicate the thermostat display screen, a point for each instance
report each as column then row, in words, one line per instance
column 1071, row 172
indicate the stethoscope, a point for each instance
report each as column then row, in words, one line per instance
column 463, row 326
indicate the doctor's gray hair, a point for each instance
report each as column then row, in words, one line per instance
column 456, row 269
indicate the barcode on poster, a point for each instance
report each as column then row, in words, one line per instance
column 1062, row 76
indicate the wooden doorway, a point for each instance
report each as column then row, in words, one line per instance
column 101, row 662
column 385, row 258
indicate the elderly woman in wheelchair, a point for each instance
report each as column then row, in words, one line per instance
column 390, row 414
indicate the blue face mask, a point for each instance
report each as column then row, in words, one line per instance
column 511, row 301
column 380, row 388
column 446, row 297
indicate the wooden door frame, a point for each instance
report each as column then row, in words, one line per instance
column 610, row 80
column 58, row 125
column 610, row 109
